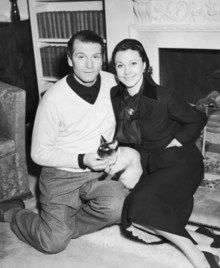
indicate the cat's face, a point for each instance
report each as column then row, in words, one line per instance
column 107, row 148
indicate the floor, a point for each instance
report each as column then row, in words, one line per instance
column 104, row 249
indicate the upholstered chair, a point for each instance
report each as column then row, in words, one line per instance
column 206, row 209
column 13, row 168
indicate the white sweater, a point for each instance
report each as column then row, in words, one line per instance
column 66, row 125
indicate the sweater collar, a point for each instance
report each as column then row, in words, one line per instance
column 89, row 94
column 73, row 83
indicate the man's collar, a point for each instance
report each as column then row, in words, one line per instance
column 73, row 83
column 89, row 94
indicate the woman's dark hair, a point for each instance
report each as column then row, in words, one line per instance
column 132, row 44
column 85, row 36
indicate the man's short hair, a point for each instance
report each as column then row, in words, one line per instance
column 85, row 36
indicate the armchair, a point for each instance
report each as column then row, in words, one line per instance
column 207, row 198
column 13, row 168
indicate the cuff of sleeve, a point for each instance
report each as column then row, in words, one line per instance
column 80, row 161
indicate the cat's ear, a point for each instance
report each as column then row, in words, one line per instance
column 102, row 140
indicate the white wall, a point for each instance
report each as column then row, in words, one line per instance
column 5, row 9
column 119, row 15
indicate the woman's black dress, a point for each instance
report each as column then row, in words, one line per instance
column 148, row 121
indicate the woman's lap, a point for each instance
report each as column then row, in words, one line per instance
column 164, row 198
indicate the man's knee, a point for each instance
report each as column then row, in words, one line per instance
column 54, row 245
column 114, row 210
column 54, row 240
column 112, row 203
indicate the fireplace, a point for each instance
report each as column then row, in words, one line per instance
column 179, row 24
column 191, row 73
column 182, row 41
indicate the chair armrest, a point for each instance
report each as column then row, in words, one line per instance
column 12, row 111
column 12, row 125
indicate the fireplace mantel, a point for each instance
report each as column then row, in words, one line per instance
column 175, row 24
column 177, row 12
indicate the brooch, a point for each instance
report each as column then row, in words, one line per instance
column 130, row 111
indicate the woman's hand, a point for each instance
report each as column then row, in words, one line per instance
column 93, row 161
column 174, row 142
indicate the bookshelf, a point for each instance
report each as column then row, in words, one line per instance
column 53, row 22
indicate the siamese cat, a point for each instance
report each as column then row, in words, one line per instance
column 124, row 163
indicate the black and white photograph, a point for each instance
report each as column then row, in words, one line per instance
column 110, row 133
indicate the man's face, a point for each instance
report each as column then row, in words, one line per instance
column 86, row 62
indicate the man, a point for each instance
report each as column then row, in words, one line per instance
column 71, row 117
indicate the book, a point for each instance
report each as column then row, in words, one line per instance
column 81, row 20
column 49, row 61
column 63, row 24
column 40, row 25
column 95, row 21
column 90, row 20
column 49, row 26
column 58, row 23
column 78, row 21
column 43, row 60
column 54, row 25
column 101, row 23
column 53, row 58
column 74, row 25
column 68, row 24
column 85, row 19
column 44, row 24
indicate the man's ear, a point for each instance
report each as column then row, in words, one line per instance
column 70, row 62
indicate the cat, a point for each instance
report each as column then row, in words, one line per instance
column 124, row 163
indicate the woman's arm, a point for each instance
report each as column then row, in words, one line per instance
column 191, row 120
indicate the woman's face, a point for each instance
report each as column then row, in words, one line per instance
column 129, row 67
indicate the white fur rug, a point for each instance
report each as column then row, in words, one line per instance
column 107, row 248
column 164, row 254
column 103, row 249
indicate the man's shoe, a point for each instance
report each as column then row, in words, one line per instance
column 7, row 205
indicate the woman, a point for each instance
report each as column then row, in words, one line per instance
column 163, row 129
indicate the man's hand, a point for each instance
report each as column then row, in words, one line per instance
column 174, row 142
column 93, row 161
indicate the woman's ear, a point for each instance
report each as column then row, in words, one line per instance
column 144, row 67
